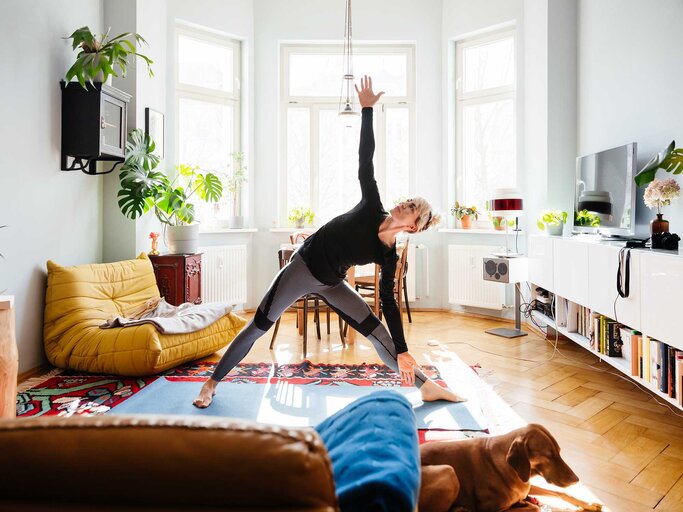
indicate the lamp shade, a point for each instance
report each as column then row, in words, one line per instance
column 595, row 201
column 506, row 202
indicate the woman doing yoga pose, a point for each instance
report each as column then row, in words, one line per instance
column 364, row 234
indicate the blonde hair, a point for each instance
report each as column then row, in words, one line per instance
column 426, row 218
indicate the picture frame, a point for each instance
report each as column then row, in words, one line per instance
column 154, row 127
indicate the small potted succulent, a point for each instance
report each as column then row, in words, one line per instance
column 466, row 214
column 97, row 59
column 552, row 221
column 300, row 216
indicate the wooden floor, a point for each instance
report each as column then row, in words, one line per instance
column 627, row 449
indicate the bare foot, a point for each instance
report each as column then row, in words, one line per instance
column 206, row 395
column 431, row 392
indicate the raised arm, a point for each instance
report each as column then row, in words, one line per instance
column 366, row 171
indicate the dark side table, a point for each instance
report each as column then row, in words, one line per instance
column 179, row 277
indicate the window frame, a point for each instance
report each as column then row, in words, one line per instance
column 482, row 96
column 197, row 93
column 317, row 103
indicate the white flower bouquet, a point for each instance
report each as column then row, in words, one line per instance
column 660, row 193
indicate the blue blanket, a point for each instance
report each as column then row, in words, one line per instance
column 374, row 451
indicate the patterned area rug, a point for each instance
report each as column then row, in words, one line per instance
column 66, row 393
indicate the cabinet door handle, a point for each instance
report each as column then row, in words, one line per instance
column 104, row 124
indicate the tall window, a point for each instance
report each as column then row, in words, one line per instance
column 319, row 160
column 207, row 102
column 486, row 116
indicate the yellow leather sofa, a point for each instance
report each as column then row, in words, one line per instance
column 81, row 298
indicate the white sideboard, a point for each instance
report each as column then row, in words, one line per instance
column 584, row 270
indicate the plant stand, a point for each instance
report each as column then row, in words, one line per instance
column 9, row 359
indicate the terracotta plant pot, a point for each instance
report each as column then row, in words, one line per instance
column 466, row 221
column 498, row 223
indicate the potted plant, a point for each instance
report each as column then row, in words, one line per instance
column 143, row 188
column 552, row 221
column 586, row 218
column 657, row 194
column 98, row 57
column 669, row 159
column 465, row 214
column 233, row 184
column 300, row 216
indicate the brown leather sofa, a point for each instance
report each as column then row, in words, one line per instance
column 114, row 463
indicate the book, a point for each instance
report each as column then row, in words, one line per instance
column 646, row 358
column 625, row 335
column 635, row 343
column 664, row 380
column 679, row 377
column 640, row 356
column 613, row 339
column 671, row 362
column 655, row 363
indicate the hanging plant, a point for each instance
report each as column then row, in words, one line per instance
column 99, row 58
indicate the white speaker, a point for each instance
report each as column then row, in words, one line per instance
column 505, row 270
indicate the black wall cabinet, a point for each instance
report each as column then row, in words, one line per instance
column 93, row 126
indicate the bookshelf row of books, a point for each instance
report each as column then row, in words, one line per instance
column 656, row 364
column 605, row 335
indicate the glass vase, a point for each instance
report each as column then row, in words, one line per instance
column 659, row 225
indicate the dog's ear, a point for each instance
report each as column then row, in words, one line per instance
column 518, row 458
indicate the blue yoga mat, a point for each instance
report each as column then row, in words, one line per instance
column 292, row 405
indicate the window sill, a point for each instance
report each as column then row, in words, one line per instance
column 229, row 231
column 290, row 230
column 479, row 231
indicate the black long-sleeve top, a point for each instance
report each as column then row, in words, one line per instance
column 353, row 238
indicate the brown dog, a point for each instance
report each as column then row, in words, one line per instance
column 492, row 473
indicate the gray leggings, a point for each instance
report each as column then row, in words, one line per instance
column 293, row 281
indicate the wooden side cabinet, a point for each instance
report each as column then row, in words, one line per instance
column 179, row 277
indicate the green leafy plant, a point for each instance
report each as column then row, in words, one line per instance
column 552, row 218
column 143, row 188
column 670, row 159
column 586, row 218
column 301, row 215
column 460, row 211
column 235, row 180
column 101, row 56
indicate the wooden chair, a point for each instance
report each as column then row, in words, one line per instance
column 368, row 287
column 299, row 236
column 303, row 304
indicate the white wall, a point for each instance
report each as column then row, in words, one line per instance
column 630, row 78
column 51, row 214
column 234, row 18
column 462, row 19
column 276, row 21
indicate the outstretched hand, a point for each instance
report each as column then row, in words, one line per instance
column 406, row 367
column 366, row 97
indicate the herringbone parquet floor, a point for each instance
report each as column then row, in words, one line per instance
column 627, row 449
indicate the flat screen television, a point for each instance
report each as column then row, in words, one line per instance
column 605, row 198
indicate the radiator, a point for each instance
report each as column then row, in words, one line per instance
column 417, row 278
column 224, row 273
column 466, row 285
